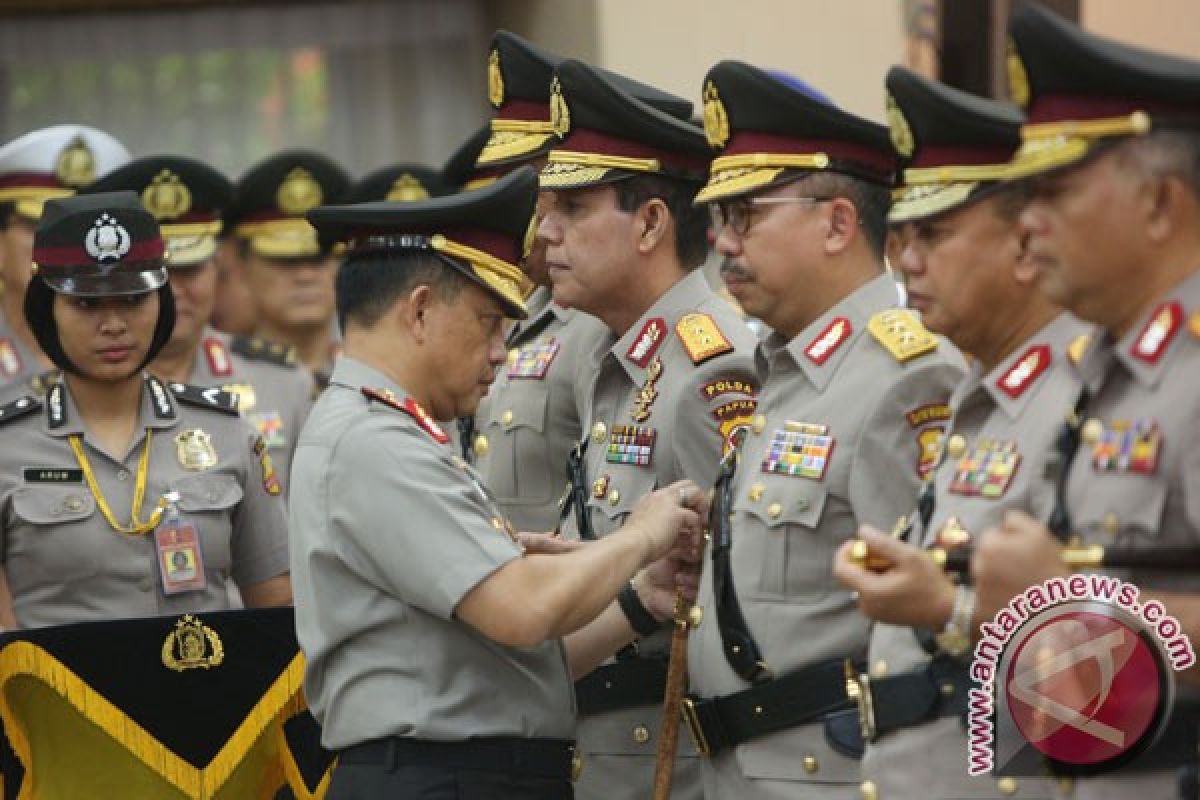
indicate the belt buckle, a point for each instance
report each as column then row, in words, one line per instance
column 858, row 689
column 692, row 719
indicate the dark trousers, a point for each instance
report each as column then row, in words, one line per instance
column 383, row 782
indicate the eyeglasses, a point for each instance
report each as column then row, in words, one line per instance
column 739, row 214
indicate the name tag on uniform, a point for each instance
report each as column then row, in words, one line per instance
column 180, row 561
column 533, row 361
column 53, row 475
column 800, row 449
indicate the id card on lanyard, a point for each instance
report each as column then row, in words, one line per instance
column 180, row 557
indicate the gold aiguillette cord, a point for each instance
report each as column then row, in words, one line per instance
column 135, row 526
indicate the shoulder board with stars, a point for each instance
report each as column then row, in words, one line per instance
column 901, row 334
column 212, row 397
column 1024, row 371
column 410, row 407
column 257, row 349
column 19, row 408
column 701, row 337
column 217, row 356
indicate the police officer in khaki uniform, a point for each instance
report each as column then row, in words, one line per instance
column 666, row 384
column 392, row 522
column 529, row 421
column 187, row 198
column 1114, row 227
column 842, row 436
column 962, row 259
column 289, row 275
column 50, row 162
column 114, row 473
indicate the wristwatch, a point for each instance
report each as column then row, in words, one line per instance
column 955, row 638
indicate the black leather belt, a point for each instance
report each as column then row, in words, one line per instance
column 1176, row 747
column 540, row 758
column 628, row 683
column 800, row 697
column 939, row 689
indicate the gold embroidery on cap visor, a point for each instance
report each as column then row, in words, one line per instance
column 734, row 175
column 1049, row 145
column 568, row 169
column 506, row 280
column 514, row 138
column 28, row 200
column 281, row 238
column 932, row 190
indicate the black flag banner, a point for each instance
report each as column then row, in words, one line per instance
column 201, row 706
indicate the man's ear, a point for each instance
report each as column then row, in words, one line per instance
column 652, row 224
column 412, row 311
column 842, row 226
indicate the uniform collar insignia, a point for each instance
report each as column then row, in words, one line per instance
column 160, row 400
column 217, row 356
column 1025, row 370
column 648, row 340
column 56, row 407
column 1160, row 329
column 829, row 340
column 412, row 408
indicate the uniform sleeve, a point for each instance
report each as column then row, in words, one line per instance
column 301, row 390
column 260, row 542
column 409, row 520
column 721, row 396
column 891, row 456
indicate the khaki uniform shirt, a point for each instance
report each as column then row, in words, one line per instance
column 649, row 426
column 997, row 453
column 18, row 362
column 390, row 530
column 836, row 394
column 63, row 560
column 1138, row 489
column 274, row 393
column 529, row 421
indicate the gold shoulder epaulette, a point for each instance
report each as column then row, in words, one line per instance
column 1077, row 347
column 902, row 334
column 701, row 337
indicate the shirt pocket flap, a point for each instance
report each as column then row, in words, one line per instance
column 53, row 505
column 524, row 409
column 1125, row 504
column 623, row 486
column 782, row 501
column 208, row 492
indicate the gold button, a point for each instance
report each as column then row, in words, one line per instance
column 695, row 616
column 512, row 355
column 879, row 669
column 481, row 445
column 759, row 423
column 956, row 445
column 947, row 689
column 774, row 510
column 599, row 431
column 1111, row 524
column 868, row 791
column 810, row 764
column 756, row 492
column 507, row 417
column 1007, row 786
column 1092, row 431
column 641, row 734
column 614, row 497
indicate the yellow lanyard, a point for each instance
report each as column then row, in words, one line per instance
column 135, row 527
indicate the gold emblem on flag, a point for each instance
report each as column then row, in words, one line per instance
column 192, row 645
column 195, row 451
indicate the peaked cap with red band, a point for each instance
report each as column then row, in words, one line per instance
column 1081, row 91
column 957, row 146
column 483, row 234
column 766, row 126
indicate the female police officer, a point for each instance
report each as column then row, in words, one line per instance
column 114, row 473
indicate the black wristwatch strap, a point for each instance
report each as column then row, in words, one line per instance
column 642, row 620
